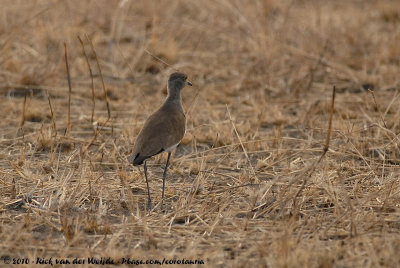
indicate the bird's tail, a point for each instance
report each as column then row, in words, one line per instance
column 137, row 160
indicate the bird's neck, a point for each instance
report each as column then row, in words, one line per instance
column 174, row 98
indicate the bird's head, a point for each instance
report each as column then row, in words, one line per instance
column 178, row 81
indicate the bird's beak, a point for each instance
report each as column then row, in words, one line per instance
column 189, row 83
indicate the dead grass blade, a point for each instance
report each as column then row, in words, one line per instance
column 241, row 144
column 377, row 107
column 101, row 76
column 52, row 116
column 309, row 171
column 69, row 87
column 91, row 78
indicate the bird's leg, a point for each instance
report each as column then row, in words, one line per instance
column 148, row 188
column 164, row 175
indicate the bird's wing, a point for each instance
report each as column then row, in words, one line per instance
column 159, row 133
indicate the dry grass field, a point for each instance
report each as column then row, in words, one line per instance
column 244, row 188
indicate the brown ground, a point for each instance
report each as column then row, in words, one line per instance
column 240, row 190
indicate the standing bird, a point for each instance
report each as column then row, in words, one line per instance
column 163, row 130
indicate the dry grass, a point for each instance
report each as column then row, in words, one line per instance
column 257, row 121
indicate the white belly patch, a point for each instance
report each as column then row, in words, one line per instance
column 170, row 149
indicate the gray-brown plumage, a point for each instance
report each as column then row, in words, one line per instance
column 163, row 130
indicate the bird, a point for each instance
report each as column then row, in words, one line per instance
column 163, row 130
